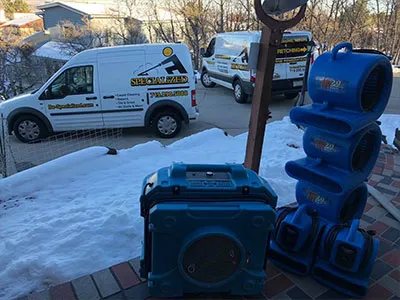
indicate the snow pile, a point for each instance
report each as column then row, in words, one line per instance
column 80, row 213
column 389, row 125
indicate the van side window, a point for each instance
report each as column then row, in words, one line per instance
column 73, row 81
column 211, row 48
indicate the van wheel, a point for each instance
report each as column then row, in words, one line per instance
column 291, row 95
column 167, row 124
column 238, row 92
column 206, row 80
column 28, row 128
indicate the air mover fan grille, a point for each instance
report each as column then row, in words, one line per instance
column 373, row 89
column 364, row 151
column 212, row 259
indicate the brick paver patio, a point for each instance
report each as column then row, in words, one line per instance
column 122, row 281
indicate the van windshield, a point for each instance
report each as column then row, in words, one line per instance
column 293, row 46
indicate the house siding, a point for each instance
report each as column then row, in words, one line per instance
column 54, row 15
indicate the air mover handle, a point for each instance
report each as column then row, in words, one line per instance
column 299, row 212
column 353, row 230
column 335, row 50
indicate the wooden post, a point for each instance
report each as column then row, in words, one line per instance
column 271, row 37
column 270, row 40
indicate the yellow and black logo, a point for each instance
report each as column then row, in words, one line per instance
column 175, row 65
column 220, row 56
column 242, row 67
column 140, row 81
column 292, row 50
column 167, row 51
column 180, row 93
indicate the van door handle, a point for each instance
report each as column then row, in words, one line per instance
column 91, row 98
column 108, row 97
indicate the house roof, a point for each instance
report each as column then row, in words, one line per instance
column 142, row 12
column 21, row 21
column 88, row 9
column 54, row 50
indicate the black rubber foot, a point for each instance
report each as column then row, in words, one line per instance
column 112, row 151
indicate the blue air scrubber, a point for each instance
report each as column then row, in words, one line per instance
column 206, row 229
column 346, row 256
column 342, row 141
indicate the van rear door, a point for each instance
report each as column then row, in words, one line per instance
column 280, row 66
column 123, row 104
column 296, row 57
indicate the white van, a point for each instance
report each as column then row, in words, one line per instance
column 150, row 85
column 225, row 62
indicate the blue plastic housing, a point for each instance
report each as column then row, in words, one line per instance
column 292, row 247
column 206, row 229
column 175, row 227
column 317, row 172
column 333, row 207
column 342, row 140
column 357, row 154
column 351, row 81
column 349, row 91
column 346, row 258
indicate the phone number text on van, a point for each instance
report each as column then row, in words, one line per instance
column 159, row 80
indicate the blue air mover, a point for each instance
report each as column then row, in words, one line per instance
column 357, row 154
column 346, row 256
column 349, row 91
column 295, row 237
column 335, row 207
column 206, row 229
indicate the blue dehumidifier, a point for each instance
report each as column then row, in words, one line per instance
column 206, row 229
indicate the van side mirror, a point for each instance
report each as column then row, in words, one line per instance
column 202, row 51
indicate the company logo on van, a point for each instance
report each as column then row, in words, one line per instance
column 159, row 80
column 176, row 65
column 292, row 50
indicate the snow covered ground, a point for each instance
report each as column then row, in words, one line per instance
column 80, row 213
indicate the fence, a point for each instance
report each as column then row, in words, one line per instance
column 16, row 156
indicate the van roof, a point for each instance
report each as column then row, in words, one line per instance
column 90, row 54
column 257, row 33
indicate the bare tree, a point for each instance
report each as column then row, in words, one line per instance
column 126, row 28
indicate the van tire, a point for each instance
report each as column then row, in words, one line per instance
column 291, row 95
column 28, row 129
column 172, row 124
column 238, row 92
column 206, row 80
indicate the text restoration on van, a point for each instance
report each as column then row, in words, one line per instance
column 149, row 85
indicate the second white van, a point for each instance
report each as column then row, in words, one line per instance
column 225, row 62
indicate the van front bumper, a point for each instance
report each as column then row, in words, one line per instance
column 278, row 86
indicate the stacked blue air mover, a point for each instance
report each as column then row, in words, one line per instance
column 342, row 141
